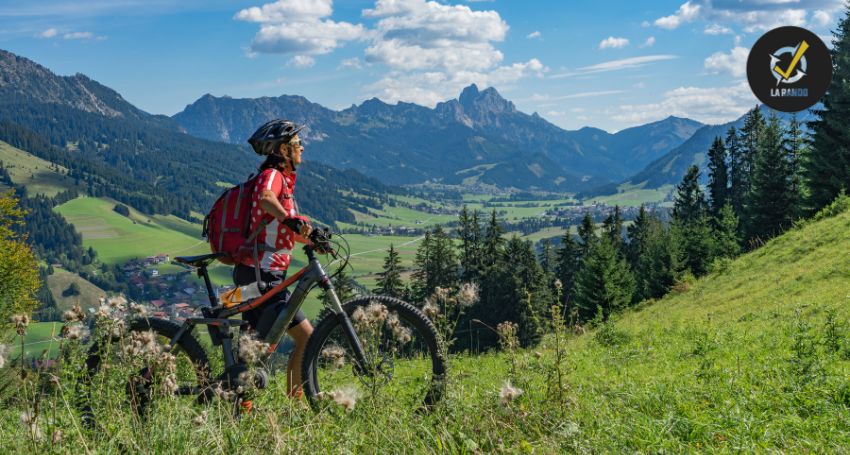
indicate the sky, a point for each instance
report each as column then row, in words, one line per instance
column 606, row 64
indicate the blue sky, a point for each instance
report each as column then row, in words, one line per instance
column 605, row 64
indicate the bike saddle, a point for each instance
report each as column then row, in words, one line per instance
column 202, row 260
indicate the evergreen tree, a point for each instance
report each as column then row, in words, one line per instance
column 493, row 240
column 737, row 173
column 469, row 232
column 547, row 257
column 652, row 256
column 435, row 262
column 718, row 179
column 613, row 227
column 726, row 241
column 586, row 233
column 343, row 287
column 603, row 282
column 750, row 137
column 389, row 280
column 691, row 224
column 797, row 147
column 530, row 297
column 827, row 169
column 567, row 263
column 771, row 202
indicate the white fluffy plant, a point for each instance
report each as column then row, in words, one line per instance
column 446, row 306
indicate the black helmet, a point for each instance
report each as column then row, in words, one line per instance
column 266, row 139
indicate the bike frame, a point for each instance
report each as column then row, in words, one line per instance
column 217, row 317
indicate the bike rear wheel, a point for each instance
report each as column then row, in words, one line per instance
column 127, row 370
column 405, row 366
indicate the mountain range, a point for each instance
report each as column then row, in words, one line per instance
column 479, row 137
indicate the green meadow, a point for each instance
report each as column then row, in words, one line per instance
column 38, row 175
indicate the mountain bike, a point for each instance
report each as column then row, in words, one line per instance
column 374, row 346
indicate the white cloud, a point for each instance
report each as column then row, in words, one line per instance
column 434, row 50
column 78, row 35
column 752, row 15
column 687, row 12
column 539, row 97
column 613, row 43
column 616, row 65
column 352, row 63
column 302, row 61
column 415, row 35
column 49, row 33
column 712, row 105
column 734, row 63
column 821, row 18
column 649, row 42
column 299, row 27
column 717, row 29
column 534, row 34
column 427, row 88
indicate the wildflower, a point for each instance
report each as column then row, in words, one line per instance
column 393, row 321
column 21, row 322
column 75, row 332
column 508, row 334
column 57, row 437
column 30, row 423
column 509, row 393
column 118, row 302
column 358, row 316
column 335, row 355
column 103, row 312
column 117, row 328
column 142, row 343
column 53, row 379
column 558, row 285
column 346, row 398
column 252, row 350
column 4, row 353
column 402, row 334
column 75, row 314
column 441, row 294
column 222, row 394
column 138, row 309
column 169, row 384
column 431, row 309
column 468, row 294
column 201, row 419
column 376, row 313
column 538, row 354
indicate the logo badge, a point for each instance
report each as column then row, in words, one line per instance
column 789, row 69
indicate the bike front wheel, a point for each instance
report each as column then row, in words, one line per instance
column 404, row 364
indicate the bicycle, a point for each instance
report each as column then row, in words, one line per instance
column 380, row 346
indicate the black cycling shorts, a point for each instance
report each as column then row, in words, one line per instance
column 261, row 319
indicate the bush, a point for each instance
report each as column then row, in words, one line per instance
column 121, row 209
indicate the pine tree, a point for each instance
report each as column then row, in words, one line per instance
column 771, row 202
column 435, row 262
column 726, row 241
column 493, row 240
column 797, row 147
column 718, row 179
column 603, row 282
column 389, row 280
column 738, row 177
column 652, row 256
column 691, row 224
column 568, row 260
column 530, row 297
column 613, row 227
column 547, row 256
column 586, row 233
column 827, row 169
column 469, row 232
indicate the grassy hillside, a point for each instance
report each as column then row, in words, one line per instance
column 38, row 175
column 754, row 358
column 59, row 282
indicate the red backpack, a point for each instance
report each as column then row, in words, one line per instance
column 226, row 226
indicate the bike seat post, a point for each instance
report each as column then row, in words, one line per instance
column 202, row 272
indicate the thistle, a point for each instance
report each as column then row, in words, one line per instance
column 252, row 350
column 75, row 314
column 509, row 393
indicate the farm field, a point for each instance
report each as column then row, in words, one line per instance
column 39, row 176
column 61, row 279
column 632, row 196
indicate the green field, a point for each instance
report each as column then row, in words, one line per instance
column 62, row 279
column 632, row 196
column 39, row 176
column 117, row 238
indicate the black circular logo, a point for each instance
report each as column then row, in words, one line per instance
column 789, row 69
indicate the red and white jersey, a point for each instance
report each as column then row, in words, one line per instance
column 276, row 236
